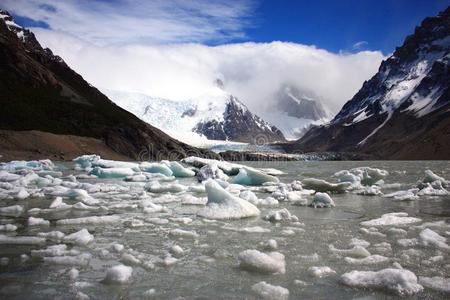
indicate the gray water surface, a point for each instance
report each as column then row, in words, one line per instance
column 209, row 267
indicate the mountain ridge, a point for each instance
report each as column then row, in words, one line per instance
column 403, row 111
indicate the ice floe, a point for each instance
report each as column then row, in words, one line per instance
column 321, row 185
column 256, row 261
column 321, row 271
column 267, row 291
column 397, row 218
column 119, row 274
column 400, row 281
column 251, row 176
column 322, row 200
column 222, row 205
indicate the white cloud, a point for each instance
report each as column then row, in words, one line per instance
column 252, row 71
column 128, row 21
column 155, row 47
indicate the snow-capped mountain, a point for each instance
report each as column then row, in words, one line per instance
column 215, row 115
column 295, row 111
column 403, row 111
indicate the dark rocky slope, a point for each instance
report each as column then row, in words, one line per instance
column 239, row 124
column 403, row 112
column 38, row 91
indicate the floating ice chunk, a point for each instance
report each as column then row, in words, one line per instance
column 85, row 161
column 79, row 260
column 282, row 215
column 228, row 168
column 368, row 175
column 373, row 190
column 73, row 274
column 37, row 222
column 397, row 232
column 82, row 237
column 270, row 245
column 255, row 261
column 372, row 231
column 56, row 203
column 250, row 176
column 169, row 261
column 267, row 291
column 356, row 251
column 249, row 196
column 119, row 274
column 178, row 170
column 90, row 220
column 408, row 242
column 54, row 250
column 400, row 218
column 211, row 171
column 347, row 176
column 77, row 194
column 369, row 260
column 433, row 189
column 129, row 259
column 156, row 168
column 112, row 172
column 184, row 233
column 176, row 251
column 156, row 187
column 149, row 293
column 410, row 194
column 322, row 200
column 321, row 271
column 436, row 283
column 8, row 227
column 429, row 238
column 269, row 201
column 150, row 207
column 21, row 240
column 17, row 165
column 110, row 164
column 8, row 177
column 52, row 235
column 222, row 205
column 21, row 194
column 188, row 199
column 254, row 229
column 400, row 281
column 321, row 185
column 359, row 242
column 430, row 177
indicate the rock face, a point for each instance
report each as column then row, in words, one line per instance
column 299, row 104
column 403, row 111
column 240, row 125
column 40, row 92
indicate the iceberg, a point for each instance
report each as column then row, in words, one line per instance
column 321, row 185
column 118, row 274
column 111, row 172
column 222, row 205
column 156, row 168
column 400, row 281
column 177, row 169
column 322, row 200
column 256, row 261
column 267, row 291
column 251, row 176
column 400, row 218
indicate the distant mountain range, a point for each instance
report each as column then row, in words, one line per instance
column 48, row 110
column 215, row 115
column 403, row 112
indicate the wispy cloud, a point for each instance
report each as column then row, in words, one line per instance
column 359, row 45
column 131, row 21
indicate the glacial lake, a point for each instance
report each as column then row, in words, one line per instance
column 209, row 267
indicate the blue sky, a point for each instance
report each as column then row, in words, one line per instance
column 346, row 25
column 338, row 25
